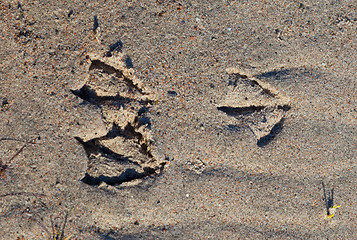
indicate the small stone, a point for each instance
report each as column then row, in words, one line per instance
column 172, row 93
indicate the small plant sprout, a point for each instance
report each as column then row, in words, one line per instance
column 331, row 211
column 330, row 206
column 58, row 234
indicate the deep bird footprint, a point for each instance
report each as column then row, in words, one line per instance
column 125, row 152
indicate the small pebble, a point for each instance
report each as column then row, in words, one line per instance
column 172, row 93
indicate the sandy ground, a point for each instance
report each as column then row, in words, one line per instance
column 120, row 119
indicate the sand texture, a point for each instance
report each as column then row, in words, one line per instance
column 178, row 119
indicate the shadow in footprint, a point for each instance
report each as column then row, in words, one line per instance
column 262, row 142
column 128, row 175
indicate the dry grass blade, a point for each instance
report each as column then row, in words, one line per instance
column 4, row 166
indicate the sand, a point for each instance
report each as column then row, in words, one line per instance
column 178, row 120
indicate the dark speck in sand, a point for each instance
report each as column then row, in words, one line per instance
column 172, row 93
